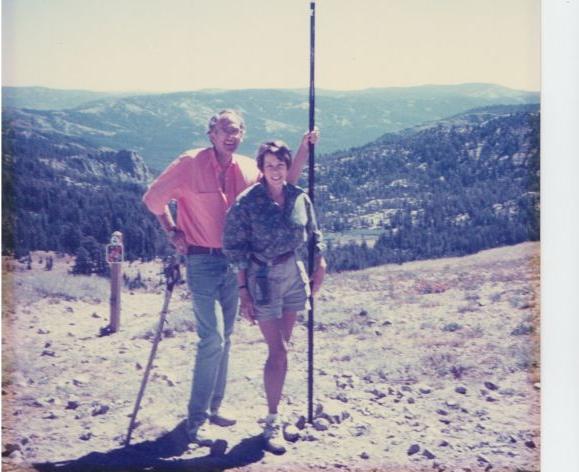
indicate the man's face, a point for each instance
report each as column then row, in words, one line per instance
column 227, row 135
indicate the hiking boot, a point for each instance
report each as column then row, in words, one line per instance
column 273, row 436
column 220, row 420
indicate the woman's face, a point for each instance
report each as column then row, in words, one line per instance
column 274, row 171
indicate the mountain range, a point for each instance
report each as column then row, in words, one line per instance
column 449, row 186
column 161, row 126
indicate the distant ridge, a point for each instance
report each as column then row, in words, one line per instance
column 161, row 126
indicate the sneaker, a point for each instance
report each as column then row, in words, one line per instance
column 272, row 434
column 220, row 420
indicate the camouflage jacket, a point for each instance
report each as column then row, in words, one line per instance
column 257, row 225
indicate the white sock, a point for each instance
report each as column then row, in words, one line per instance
column 271, row 418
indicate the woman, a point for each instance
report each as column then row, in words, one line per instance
column 265, row 238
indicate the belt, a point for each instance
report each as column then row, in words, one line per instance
column 276, row 260
column 191, row 250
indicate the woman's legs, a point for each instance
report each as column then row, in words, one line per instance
column 277, row 334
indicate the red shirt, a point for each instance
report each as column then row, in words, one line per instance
column 194, row 181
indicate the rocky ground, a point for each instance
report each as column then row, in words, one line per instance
column 429, row 365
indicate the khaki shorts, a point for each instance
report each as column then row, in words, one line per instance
column 287, row 285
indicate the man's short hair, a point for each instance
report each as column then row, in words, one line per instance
column 278, row 148
column 215, row 119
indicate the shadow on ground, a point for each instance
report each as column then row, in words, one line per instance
column 162, row 454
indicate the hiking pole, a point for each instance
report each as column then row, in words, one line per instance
column 172, row 277
column 311, row 183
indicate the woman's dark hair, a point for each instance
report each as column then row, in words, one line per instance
column 278, row 148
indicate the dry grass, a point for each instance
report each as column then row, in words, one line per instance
column 49, row 285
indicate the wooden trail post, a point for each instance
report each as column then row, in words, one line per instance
column 115, row 255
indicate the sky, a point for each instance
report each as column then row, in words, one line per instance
column 178, row 45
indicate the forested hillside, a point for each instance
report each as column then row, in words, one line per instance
column 451, row 187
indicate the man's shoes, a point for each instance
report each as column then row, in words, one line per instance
column 220, row 420
column 201, row 437
column 273, row 436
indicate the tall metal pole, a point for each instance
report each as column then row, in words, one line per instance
column 311, row 184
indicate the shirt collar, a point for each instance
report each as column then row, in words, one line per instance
column 217, row 167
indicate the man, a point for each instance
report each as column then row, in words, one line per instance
column 205, row 183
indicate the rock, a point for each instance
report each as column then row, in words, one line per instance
column 301, row 422
column 364, row 455
column 81, row 380
column 49, row 353
column 17, row 457
column 100, row 409
column 429, row 455
column 85, row 436
column 507, row 392
column 95, row 315
column 342, row 397
column 451, row 404
column 377, row 393
column 49, row 416
column 425, row 390
column 443, row 444
column 522, row 330
column 69, row 309
column 506, row 438
column 442, row 412
column 334, row 412
column 9, row 448
column 321, row 424
column 491, row 386
column 358, row 430
column 530, row 444
column 43, row 331
column 483, row 459
column 413, row 449
column 451, row 327
column 309, row 437
column 461, row 390
column 491, row 399
column 411, row 401
column 138, row 366
column 341, row 384
column 291, row 433
column 72, row 405
column 537, row 386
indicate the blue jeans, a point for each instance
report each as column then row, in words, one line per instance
column 215, row 296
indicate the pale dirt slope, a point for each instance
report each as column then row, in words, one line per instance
column 429, row 365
